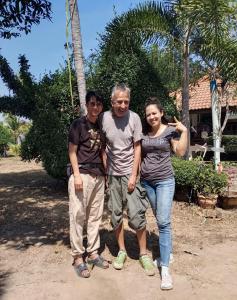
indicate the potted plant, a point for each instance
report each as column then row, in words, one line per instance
column 209, row 184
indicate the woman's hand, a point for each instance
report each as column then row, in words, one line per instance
column 178, row 126
column 180, row 146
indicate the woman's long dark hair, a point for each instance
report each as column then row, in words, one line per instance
column 146, row 128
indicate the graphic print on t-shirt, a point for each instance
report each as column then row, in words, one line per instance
column 156, row 164
column 94, row 138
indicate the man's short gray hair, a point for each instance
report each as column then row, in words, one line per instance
column 120, row 87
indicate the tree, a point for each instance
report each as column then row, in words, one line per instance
column 198, row 26
column 22, row 100
column 168, row 63
column 133, row 67
column 48, row 104
column 78, row 53
column 19, row 16
column 47, row 138
column 16, row 126
column 5, row 138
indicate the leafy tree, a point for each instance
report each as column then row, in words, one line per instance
column 16, row 126
column 5, row 134
column 22, row 100
column 168, row 63
column 18, row 16
column 47, row 138
column 202, row 27
column 5, row 138
column 133, row 67
column 48, row 104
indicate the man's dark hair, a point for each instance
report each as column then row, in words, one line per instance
column 91, row 94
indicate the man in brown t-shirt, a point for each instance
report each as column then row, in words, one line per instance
column 86, row 186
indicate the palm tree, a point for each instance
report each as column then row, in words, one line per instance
column 78, row 53
column 198, row 26
column 16, row 126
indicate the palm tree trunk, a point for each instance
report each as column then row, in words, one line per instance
column 78, row 54
column 185, row 89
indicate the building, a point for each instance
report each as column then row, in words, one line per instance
column 200, row 108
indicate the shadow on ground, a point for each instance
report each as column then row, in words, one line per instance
column 131, row 244
column 3, row 281
column 34, row 209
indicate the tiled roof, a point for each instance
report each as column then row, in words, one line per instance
column 200, row 96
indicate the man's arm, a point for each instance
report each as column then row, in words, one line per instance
column 103, row 141
column 72, row 152
column 136, row 163
column 104, row 158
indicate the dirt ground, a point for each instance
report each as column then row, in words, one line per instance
column 35, row 260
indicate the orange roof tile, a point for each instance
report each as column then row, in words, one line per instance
column 200, row 95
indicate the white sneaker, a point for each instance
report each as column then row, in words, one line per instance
column 166, row 282
column 156, row 262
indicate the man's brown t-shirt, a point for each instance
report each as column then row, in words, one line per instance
column 86, row 136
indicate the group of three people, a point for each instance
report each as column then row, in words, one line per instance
column 135, row 160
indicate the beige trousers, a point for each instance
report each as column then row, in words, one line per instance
column 85, row 207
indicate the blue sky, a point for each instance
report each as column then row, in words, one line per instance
column 44, row 46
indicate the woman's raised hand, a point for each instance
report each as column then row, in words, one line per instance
column 178, row 126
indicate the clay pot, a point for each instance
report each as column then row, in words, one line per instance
column 208, row 201
column 228, row 202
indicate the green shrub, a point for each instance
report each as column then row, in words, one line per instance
column 186, row 172
column 199, row 176
column 209, row 181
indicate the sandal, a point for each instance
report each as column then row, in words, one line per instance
column 80, row 270
column 99, row 261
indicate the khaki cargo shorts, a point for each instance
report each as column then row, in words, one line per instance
column 137, row 202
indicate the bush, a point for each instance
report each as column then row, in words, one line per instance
column 47, row 138
column 199, row 176
column 209, row 181
column 186, row 172
column 230, row 143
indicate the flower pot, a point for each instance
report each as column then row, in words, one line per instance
column 208, row 201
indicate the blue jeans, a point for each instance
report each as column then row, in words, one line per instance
column 161, row 197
